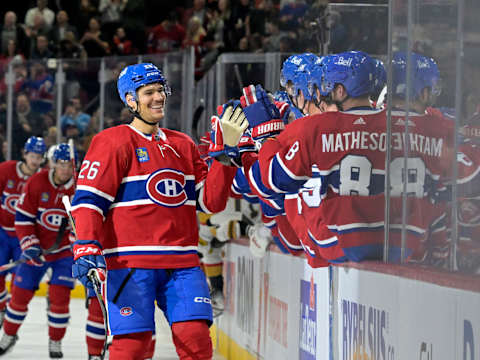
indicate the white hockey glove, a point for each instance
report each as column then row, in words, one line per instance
column 260, row 237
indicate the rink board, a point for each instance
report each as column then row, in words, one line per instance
column 278, row 308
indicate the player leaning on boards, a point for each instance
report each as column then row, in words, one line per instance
column 38, row 218
column 135, row 214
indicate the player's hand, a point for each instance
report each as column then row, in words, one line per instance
column 233, row 123
column 263, row 116
column 87, row 256
column 226, row 132
column 31, row 250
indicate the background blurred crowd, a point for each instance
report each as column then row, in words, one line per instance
column 34, row 34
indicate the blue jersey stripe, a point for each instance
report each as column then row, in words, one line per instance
column 87, row 197
column 282, row 180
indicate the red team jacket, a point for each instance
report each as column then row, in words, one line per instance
column 12, row 181
column 346, row 208
column 137, row 195
column 40, row 212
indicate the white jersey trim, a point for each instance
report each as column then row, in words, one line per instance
column 96, row 192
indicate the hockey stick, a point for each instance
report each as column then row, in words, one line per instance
column 51, row 249
column 72, row 159
column 92, row 275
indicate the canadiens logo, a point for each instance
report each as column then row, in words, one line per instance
column 126, row 311
column 10, row 184
column 142, row 154
column 11, row 203
column 167, row 187
column 52, row 218
column 45, row 196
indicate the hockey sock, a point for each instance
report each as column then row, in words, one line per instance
column 95, row 327
column 130, row 346
column 58, row 313
column 192, row 340
column 17, row 309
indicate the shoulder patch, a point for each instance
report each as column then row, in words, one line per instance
column 142, row 154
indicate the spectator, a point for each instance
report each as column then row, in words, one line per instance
column 291, row 14
column 258, row 14
column 70, row 48
column 194, row 37
column 11, row 31
column 39, row 87
column 198, row 10
column 272, row 42
column 228, row 25
column 121, row 45
column 166, row 36
column 9, row 55
column 38, row 28
column 93, row 40
column 111, row 15
column 74, row 116
column 86, row 12
column 113, row 105
column 41, row 50
column 41, row 9
column 240, row 19
column 134, row 24
column 25, row 124
column 58, row 33
column 20, row 75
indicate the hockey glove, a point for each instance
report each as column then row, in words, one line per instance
column 87, row 256
column 262, row 114
column 227, row 131
column 31, row 250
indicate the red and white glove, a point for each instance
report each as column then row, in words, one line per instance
column 262, row 114
column 31, row 250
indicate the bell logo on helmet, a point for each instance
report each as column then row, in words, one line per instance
column 344, row 62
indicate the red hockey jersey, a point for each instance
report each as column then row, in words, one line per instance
column 12, row 181
column 346, row 209
column 40, row 212
column 138, row 194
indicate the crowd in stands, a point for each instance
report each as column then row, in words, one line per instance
column 35, row 33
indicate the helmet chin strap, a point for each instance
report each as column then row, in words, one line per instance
column 138, row 116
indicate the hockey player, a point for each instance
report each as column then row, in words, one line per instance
column 344, row 213
column 135, row 213
column 13, row 176
column 37, row 221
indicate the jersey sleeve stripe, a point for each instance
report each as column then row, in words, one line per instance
column 96, row 192
column 281, row 179
column 24, row 223
column 200, row 204
column 323, row 243
column 199, row 185
column 88, row 206
column 89, row 198
column 24, row 214
column 288, row 244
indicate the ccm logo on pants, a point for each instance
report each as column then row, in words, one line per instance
column 201, row 299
